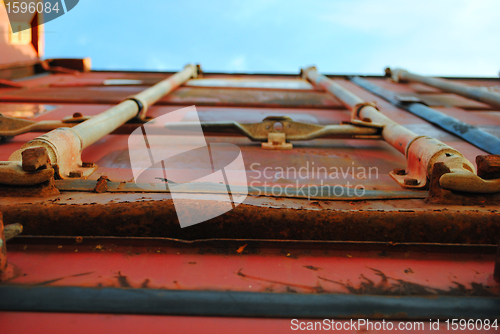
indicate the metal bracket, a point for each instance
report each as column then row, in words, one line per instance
column 276, row 141
column 487, row 180
column 62, row 148
column 421, row 155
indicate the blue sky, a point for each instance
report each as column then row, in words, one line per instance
column 432, row 37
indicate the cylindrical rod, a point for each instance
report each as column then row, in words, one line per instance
column 474, row 135
column 475, row 93
column 421, row 152
column 395, row 134
column 106, row 122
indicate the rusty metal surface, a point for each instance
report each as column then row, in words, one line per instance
column 488, row 166
column 140, row 214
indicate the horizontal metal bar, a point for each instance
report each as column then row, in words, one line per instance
column 471, row 92
column 230, row 243
column 324, row 192
column 467, row 132
column 149, row 215
column 242, row 304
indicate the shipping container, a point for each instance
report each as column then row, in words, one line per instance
column 237, row 202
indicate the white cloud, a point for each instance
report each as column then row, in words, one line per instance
column 458, row 37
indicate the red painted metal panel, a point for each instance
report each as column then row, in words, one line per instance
column 61, row 323
column 256, row 267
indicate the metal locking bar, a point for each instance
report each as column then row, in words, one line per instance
column 11, row 126
column 470, row 133
column 475, row 93
column 63, row 146
column 421, row 152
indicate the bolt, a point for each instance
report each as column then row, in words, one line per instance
column 35, row 158
column 76, row 173
column 411, row 182
column 488, row 166
column 101, row 185
column 77, row 115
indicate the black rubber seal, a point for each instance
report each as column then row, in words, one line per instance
column 242, row 304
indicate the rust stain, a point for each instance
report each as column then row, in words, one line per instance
column 240, row 250
column 313, row 268
column 317, row 289
column 122, row 280
column 144, row 284
column 61, row 278
column 398, row 287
